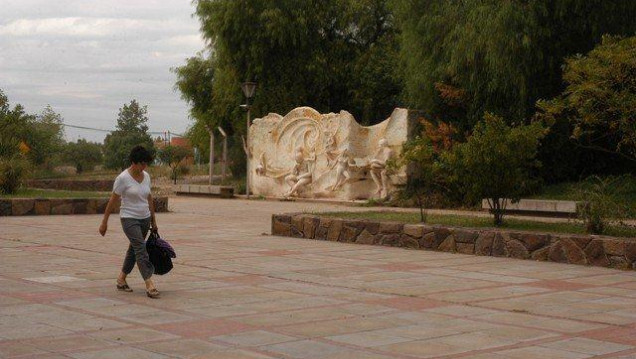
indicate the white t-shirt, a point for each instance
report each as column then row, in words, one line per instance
column 134, row 195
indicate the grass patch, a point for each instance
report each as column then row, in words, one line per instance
column 573, row 227
column 44, row 193
column 624, row 189
column 100, row 174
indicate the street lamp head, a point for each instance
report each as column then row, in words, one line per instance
column 248, row 89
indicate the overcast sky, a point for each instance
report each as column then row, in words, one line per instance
column 87, row 58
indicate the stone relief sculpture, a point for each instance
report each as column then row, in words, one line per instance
column 378, row 167
column 308, row 154
column 342, row 163
column 300, row 175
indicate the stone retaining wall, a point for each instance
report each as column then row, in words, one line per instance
column 49, row 206
column 563, row 248
column 72, row 185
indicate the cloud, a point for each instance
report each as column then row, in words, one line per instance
column 91, row 27
column 87, row 58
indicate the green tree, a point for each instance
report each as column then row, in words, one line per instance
column 496, row 162
column 501, row 55
column 331, row 55
column 82, row 154
column 15, row 128
column 600, row 99
column 13, row 125
column 423, row 168
column 46, row 137
column 131, row 131
column 194, row 82
column 172, row 156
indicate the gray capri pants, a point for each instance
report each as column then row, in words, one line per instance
column 136, row 230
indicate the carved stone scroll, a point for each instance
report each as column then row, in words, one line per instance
column 313, row 155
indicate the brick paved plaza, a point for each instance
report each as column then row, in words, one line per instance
column 238, row 292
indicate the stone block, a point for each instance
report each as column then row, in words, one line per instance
column 61, row 206
column 297, row 225
column 91, row 206
column 499, row 246
column 349, row 233
column 465, row 236
column 573, row 253
column 581, row 241
column 413, row 230
column 5, row 207
column 391, row 239
column 161, row 204
column 22, row 206
column 614, row 247
column 541, row 254
column 534, row 241
column 310, row 223
column 427, row 240
column 619, row 262
column 372, row 227
column 321, row 233
column 448, row 245
column 101, row 204
column 283, row 218
column 365, row 237
column 595, row 253
column 441, row 234
column 556, row 253
column 42, row 207
column 630, row 251
column 296, row 233
column 465, row 248
column 516, row 249
column 334, row 230
column 483, row 243
column 281, row 225
column 390, row 227
column 357, row 224
column 409, row 242
column 80, row 206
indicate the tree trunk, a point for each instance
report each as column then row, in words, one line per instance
column 497, row 212
column 420, row 203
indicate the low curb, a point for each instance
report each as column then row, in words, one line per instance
column 562, row 248
column 63, row 206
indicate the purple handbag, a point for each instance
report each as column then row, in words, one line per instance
column 164, row 245
column 160, row 253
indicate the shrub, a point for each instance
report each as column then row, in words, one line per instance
column 83, row 155
column 602, row 203
column 495, row 163
column 172, row 156
column 12, row 171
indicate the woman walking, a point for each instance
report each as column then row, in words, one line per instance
column 137, row 214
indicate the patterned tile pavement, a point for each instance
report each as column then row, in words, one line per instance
column 238, row 292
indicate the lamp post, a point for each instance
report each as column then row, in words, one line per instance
column 211, row 170
column 248, row 90
column 224, row 155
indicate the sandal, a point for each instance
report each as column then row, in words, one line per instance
column 124, row 287
column 153, row 293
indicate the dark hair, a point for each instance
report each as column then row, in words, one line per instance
column 140, row 154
